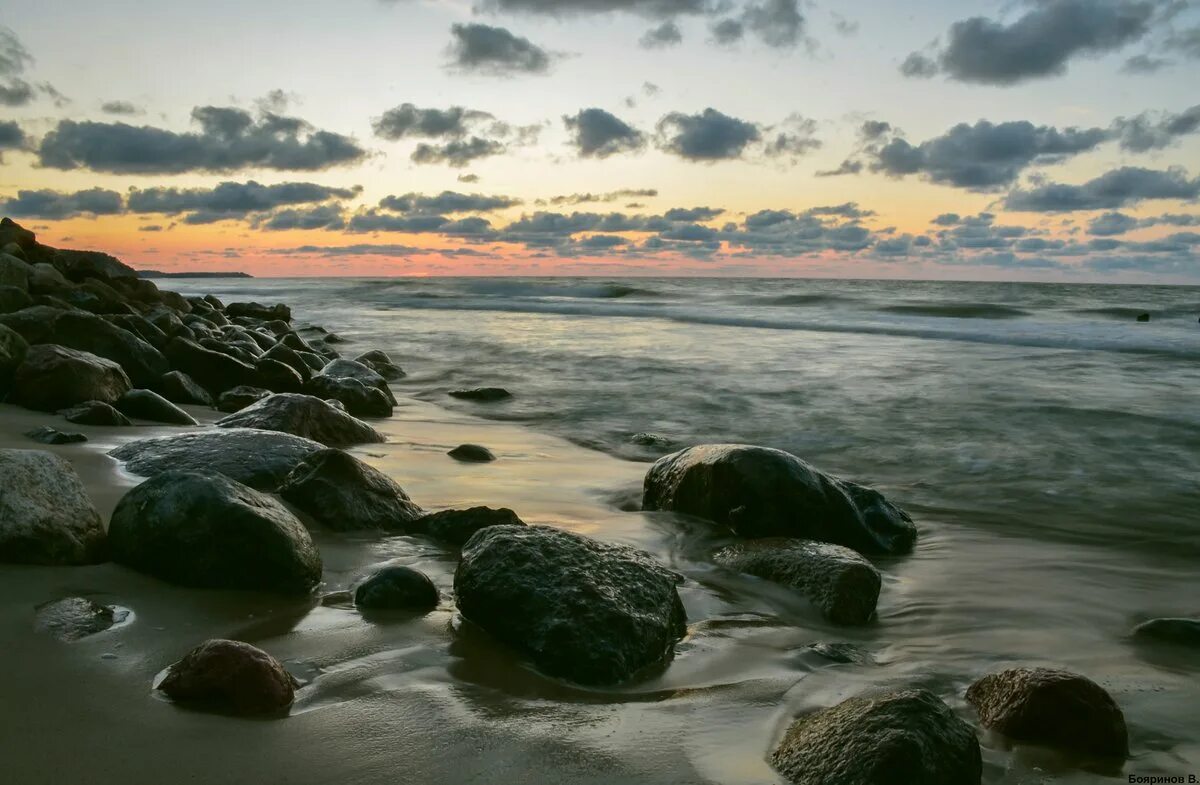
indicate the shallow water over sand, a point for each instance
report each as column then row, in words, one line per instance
column 1026, row 556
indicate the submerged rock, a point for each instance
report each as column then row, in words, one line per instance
column 240, row 397
column 841, row 584
column 380, row 363
column 55, row 377
column 303, row 415
column 147, row 405
column 1051, row 708
column 455, row 527
column 481, row 394
column 208, row 531
column 761, row 492
column 96, row 413
column 178, row 387
column 586, row 611
column 260, row 459
column 48, row 435
column 230, row 676
column 1143, row 317
column 74, row 618
column 46, row 516
column 472, row 453
column 343, row 494
column 1179, row 631
column 259, row 311
column 903, row 738
column 397, row 588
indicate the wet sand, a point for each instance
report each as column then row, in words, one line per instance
column 426, row 700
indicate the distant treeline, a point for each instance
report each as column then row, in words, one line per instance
column 162, row 274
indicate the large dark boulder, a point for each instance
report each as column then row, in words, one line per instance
column 303, row 415
column 178, row 387
column 214, row 371
column 13, row 299
column 88, row 332
column 342, row 493
column 349, row 369
column 94, row 296
column 15, row 272
column 46, row 516
column 1051, row 708
column 380, row 363
column 902, row 738
column 455, row 527
column 81, row 265
column 55, row 377
column 278, row 377
column 148, row 405
column 290, row 358
column 1180, row 631
column 141, row 327
column 760, row 492
column 586, row 611
column 205, row 530
column 359, row 399
column 841, row 584
column 13, row 349
column 396, row 588
column 237, row 351
column 75, row 618
column 265, row 313
column 95, row 413
column 230, row 677
column 238, row 398
column 260, row 459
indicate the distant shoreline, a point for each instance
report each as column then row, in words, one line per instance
column 193, row 274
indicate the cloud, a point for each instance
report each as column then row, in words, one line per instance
column 796, row 139
column 1112, row 223
column 1186, row 42
column 842, row 25
column 1144, row 64
column 409, row 121
column 1110, row 191
column 918, row 66
column 778, row 23
column 57, row 205
column 369, row 249
column 457, row 153
column 120, row 107
column 322, row 216
column 728, row 31
column 611, row 196
column 468, row 178
column 14, row 57
column 491, row 50
column 665, row 35
column 692, row 214
column 983, row 156
column 848, row 166
column 599, row 134
column 233, row 200
column 651, row 8
column 707, row 136
column 1146, row 132
column 12, row 137
column 229, row 139
column 1040, row 43
column 447, row 202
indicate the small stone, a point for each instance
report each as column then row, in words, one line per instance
column 73, row 618
column 482, row 394
column 230, row 676
column 397, row 588
column 48, row 435
column 472, row 453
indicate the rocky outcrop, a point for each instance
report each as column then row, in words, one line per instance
column 231, row 677
column 75, row 618
column 342, row 493
column 1051, row 708
column 46, row 516
column 48, row 435
column 303, row 415
column 396, row 588
column 95, row 413
column 55, row 377
column 1172, row 630
column 239, row 398
column 455, row 527
column 178, row 387
column 841, row 584
column 586, row 611
column 260, row 459
column 147, row 405
column 205, row 530
column 760, row 492
column 472, row 453
column 481, row 394
column 902, row 738
column 380, row 363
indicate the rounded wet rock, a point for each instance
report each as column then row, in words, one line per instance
column 342, row 493
column 397, row 588
column 46, row 516
column 230, row 676
column 306, row 416
column 1178, row 631
column 148, row 405
column 902, row 738
column 360, row 400
column 96, row 413
column 456, row 527
column 484, row 394
column 239, row 398
column 75, row 618
column 472, row 453
column 349, row 369
column 1051, row 708
column 382, row 364
column 55, row 377
column 48, row 435
column 178, row 387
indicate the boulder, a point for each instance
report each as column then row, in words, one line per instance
column 1051, row 708
column 82, row 265
column 14, row 272
column 278, row 377
column 381, row 364
column 349, row 369
column 841, row 584
column 94, row 296
column 582, row 610
column 46, row 516
column 48, row 435
column 260, row 459
column 1179, row 631
column 902, row 738
column 472, row 453
column 359, row 399
column 760, row 492
column 481, row 394
column 455, row 527
column 13, row 299
column 46, row 279
column 214, row 371
column 240, row 397
column 147, row 405
column 237, row 351
column 88, row 332
column 13, row 349
column 265, row 313
column 206, row 530
column 141, row 327
column 342, row 493
column 397, row 588
column 178, row 387
column 231, row 677
column 55, row 377
column 303, row 415
column 290, row 358
column 75, row 618
column 95, row 413
column 298, row 344
column 1143, row 317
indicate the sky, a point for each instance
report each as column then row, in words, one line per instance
column 1053, row 140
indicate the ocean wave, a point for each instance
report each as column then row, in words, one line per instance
column 958, row 310
column 796, row 299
